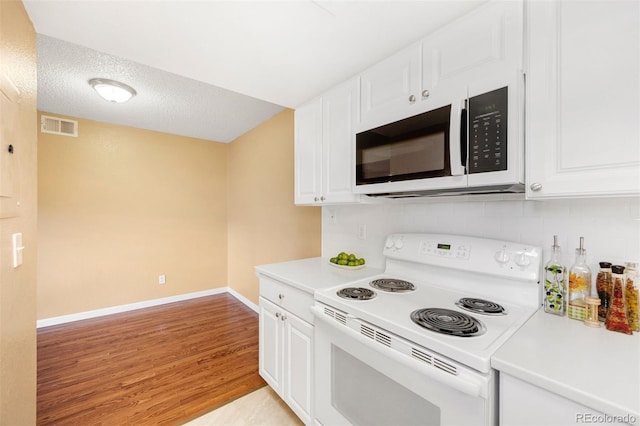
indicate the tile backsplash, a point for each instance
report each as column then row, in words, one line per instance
column 610, row 226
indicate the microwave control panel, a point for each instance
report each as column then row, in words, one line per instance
column 488, row 132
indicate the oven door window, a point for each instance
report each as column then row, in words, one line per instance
column 414, row 148
column 386, row 403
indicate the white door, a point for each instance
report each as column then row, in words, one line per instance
column 390, row 89
column 308, row 153
column 583, row 98
column 299, row 367
column 339, row 110
column 9, row 149
column 484, row 45
column 271, row 345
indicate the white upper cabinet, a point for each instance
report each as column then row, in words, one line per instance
column 480, row 51
column 324, row 147
column 390, row 90
column 583, row 98
column 308, row 152
column 483, row 48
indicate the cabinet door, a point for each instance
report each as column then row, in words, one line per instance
column 388, row 87
column 483, row 46
column 524, row 404
column 583, row 98
column 339, row 110
column 9, row 149
column 308, row 153
column 271, row 345
column 299, row 367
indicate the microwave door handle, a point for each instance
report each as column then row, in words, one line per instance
column 458, row 140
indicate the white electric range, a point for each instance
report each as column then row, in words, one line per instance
column 413, row 345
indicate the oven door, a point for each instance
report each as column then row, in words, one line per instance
column 361, row 379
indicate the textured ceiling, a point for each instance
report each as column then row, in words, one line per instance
column 190, row 60
column 164, row 102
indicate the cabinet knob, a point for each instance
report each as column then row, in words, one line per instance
column 412, row 99
column 281, row 296
column 536, row 186
column 283, row 317
column 277, row 314
column 425, row 94
column 322, row 198
column 316, row 199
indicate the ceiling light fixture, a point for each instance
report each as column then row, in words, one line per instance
column 112, row 90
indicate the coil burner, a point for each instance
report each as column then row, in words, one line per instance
column 481, row 306
column 392, row 285
column 447, row 321
column 356, row 293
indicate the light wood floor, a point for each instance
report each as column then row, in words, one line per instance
column 259, row 408
column 161, row 365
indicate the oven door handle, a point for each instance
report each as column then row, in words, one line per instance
column 459, row 382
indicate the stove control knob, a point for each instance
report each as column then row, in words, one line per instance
column 522, row 259
column 389, row 243
column 502, row 256
column 399, row 243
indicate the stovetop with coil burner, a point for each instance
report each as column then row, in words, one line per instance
column 463, row 306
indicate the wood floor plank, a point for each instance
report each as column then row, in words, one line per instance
column 160, row 365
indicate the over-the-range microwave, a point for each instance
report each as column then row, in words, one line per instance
column 468, row 145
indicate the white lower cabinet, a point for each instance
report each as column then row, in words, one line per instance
column 522, row 403
column 286, row 345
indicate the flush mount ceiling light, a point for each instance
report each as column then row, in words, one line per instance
column 112, row 90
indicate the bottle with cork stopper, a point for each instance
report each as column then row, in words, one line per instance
column 579, row 284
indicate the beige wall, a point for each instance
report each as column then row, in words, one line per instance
column 117, row 207
column 18, row 285
column 264, row 224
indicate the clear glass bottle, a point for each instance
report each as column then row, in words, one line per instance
column 579, row 284
column 631, row 294
column 555, row 282
column 603, row 287
column 617, row 315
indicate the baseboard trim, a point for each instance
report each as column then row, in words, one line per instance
column 139, row 305
column 243, row 299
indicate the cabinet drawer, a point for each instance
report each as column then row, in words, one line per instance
column 294, row 300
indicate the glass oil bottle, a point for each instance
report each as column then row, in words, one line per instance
column 579, row 284
column 555, row 282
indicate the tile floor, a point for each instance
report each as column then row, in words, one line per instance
column 262, row 407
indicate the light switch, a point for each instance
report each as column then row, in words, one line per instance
column 17, row 249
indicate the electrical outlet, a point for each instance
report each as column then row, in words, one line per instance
column 362, row 231
column 332, row 216
column 162, row 279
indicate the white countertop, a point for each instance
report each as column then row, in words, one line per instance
column 314, row 273
column 592, row 366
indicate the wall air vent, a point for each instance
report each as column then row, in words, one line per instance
column 58, row 126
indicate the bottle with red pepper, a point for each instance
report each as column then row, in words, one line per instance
column 617, row 315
